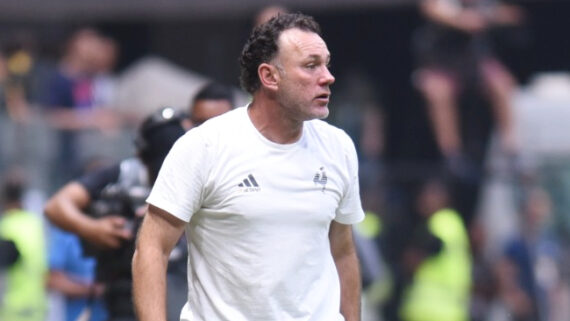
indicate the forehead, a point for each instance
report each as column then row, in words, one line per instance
column 299, row 43
column 204, row 109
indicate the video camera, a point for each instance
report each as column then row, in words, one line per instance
column 123, row 198
column 126, row 197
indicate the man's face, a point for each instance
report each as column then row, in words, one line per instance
column 205, row 109
column 304, row 78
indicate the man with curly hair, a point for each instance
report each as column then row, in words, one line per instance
column 266, row 193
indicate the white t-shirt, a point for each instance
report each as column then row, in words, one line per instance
column 259, row 216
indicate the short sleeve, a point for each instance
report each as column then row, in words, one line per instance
column 179, row 186
column 58, row 249
column 94, row 182
column 350, row 207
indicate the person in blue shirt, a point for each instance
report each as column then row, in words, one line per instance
column 73, row 274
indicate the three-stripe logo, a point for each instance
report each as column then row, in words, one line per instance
column 249, row 184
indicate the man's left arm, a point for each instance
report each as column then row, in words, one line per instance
column 346, row 261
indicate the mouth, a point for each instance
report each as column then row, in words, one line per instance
column 323, row 97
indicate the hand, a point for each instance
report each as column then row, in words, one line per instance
column 141, row 210
column 107, row 122
column 96, row 290
column 109, row 232
column 471, row 21
column 508, row 15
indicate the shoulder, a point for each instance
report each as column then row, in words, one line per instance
column 229, row 119
column 108, row 174
column 324, row 128
column 96, row 180
column 22, row 217
column 330, row 134
column 219, row 126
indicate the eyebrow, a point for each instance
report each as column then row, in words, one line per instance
column 318, row 57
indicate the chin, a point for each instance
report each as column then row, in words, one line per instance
column 319, row 115
column 315, row 112
column 322, row 113
column 323, row 116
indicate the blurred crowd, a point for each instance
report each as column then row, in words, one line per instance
column 480, row 234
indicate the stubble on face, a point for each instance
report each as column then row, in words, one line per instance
column 302, row 64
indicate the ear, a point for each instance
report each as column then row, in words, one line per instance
column 268, row 76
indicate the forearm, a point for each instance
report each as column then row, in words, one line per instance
column 346, row 261
column 64, row 209
column 350, row 284
column 440, row 12
column 59, row 281
column 448, row 14
column 157, row 236
column 71, row 119
column 149, row 284
column 68, row 217
column 505, row 14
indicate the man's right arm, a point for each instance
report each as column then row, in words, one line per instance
column 157, row 237
column 70, row 287
column 65, row 210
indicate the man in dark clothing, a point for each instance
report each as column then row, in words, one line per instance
column 104, row 207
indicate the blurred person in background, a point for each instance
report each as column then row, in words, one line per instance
column 455, row 58
column 72, row 274
column 267, row 193
column 529, row 274
column 104, row 207
column 71, row 98
column 455, row 51
column 268, row 12
column 22, row 76
column 484, row 289
column 72, row 207
column 23, row 277
column 22, row 73
column 212, row 100
column 376, row 279
column 441, row 283
column 104, row 82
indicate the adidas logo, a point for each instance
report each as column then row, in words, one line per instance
column 249, row 184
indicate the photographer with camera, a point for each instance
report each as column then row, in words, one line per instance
column 104, row 208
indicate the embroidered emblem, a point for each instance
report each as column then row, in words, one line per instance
column 320, row 178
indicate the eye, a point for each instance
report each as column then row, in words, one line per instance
column 311, row 65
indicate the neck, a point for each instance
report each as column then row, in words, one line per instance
column 12, row 206
column 271, row 120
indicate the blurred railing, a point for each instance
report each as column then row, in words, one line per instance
column 34, row 145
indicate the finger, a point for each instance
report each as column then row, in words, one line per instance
column 123, row 234
column 118, row 221
column 111, row 243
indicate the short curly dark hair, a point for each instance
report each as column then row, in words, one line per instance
column 261, row 46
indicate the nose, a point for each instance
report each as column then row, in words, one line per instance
column 327, row 78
